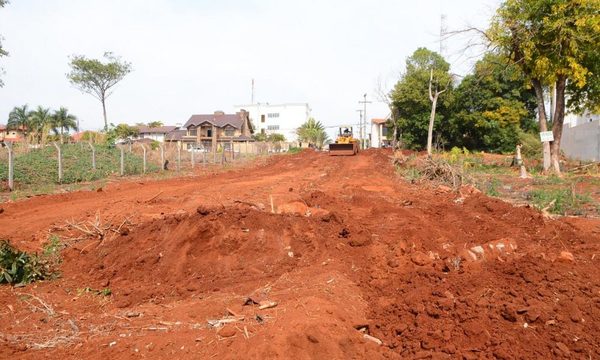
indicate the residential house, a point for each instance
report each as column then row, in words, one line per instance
column 378, row 136
column 11, row 134
column 277, row 119
column 210, row 130
column 154, row 133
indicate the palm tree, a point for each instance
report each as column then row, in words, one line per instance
column 62, row 120
column 312, row 132
column 155, row 124
column 41, row 122
column 19, row 119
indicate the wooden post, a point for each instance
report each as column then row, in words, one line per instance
column 93, row 155
column 60, row 169
column 144, row 159
column 232, row 150
column 11, row 166
column 179, row 156
column 162, row 157
column 122, row 160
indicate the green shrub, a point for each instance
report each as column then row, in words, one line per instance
column 531, row 145
column 19, row 267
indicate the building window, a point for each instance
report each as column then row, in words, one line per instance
column 262, row 131
column 229, row 131
column 272, row 127
column 192, row 131
column 262, row 118
column 273, row 115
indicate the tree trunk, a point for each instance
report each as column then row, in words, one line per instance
column 557, row 124
column 431, row 120
column 539, row 94
column 62, row 137
column 104, row 113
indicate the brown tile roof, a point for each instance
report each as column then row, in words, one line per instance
column 219, row 120
column 155, row 130
column 175, row 135
column 378, row 121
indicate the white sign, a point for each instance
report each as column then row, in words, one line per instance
column 546, row 136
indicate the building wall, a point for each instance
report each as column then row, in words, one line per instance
column 582, row 142
column 156, row 137
column 278, row 119
column 376, row 135
column 575, row 120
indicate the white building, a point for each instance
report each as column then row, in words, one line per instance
column 574, row 119
column 277, row 119
column 378, row 135
column 581, row 136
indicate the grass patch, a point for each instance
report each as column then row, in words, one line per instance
column 492, row 187
column 39, row 167
column 559, row 201
column 294, row 150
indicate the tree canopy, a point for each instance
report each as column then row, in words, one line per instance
column 410, row 96
column 313, row 133
column 97, row 78
column 491, row 107
column 555, row 43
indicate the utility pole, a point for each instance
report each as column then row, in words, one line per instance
column 364, row 116
column 360, row 112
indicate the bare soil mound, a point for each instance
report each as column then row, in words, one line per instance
column 307, row 256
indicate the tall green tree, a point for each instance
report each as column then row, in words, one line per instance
column 98, row 78
column 155, row 124
column 411, row 99
column 41, row 123
column 492, row 106
column 20, row 119
column 313, row 133
column 554, row 42
column 62, row 120
column 120, row 132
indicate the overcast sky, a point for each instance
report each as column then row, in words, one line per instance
column 192, row 57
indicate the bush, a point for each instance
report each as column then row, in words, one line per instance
column 19, row 267
column 531, row 145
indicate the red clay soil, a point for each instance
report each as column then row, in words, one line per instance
column 302, row 257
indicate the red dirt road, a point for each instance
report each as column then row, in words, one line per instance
column 338, row 243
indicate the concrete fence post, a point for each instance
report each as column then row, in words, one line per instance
column 162, row 157
column 60, row 167
column 144, row 158
column 179, row 157
column 11, row 166
column 122, row 160
column 192, row 157
column 93, row 155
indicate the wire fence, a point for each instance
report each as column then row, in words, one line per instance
column 23, row 165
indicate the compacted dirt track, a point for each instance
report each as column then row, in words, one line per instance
column 342, row 245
